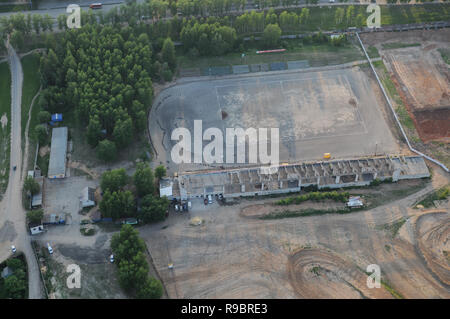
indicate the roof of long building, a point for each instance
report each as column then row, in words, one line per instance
column 57, row 165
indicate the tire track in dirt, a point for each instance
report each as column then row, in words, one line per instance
column 432, row 242
column 318, row 273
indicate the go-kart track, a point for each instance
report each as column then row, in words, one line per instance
column 330, row 111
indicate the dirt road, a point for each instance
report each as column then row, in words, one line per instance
column 12, row 215
column 325, row 256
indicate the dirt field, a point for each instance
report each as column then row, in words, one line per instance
column 335, row 111
column 232, row 256
column 421, row 76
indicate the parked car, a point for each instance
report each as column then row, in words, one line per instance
column 210, row 201
column 13, row 249
column 111, row 258
column 50, row 249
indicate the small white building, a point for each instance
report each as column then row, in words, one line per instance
column 87, row 198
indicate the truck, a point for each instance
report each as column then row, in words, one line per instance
column 53, row 219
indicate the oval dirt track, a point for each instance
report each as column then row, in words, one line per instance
column 318, row 273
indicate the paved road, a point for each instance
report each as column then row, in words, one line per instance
column 12, row 215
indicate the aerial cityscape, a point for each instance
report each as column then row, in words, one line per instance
column 225, row 149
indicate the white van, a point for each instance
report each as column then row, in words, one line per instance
column 210, row 199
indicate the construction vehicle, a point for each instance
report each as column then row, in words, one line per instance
column 326, row 155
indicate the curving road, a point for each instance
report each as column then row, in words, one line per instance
column 13, row 229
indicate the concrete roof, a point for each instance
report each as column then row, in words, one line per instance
column 37, row 198
column 58, row 152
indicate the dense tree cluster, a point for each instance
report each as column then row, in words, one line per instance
column 105, row 76
column 120, row 202
column 15, row 285
column 209, row 39
column 129, row 250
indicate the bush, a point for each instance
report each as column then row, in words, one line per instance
column 315, row 196
column 114, row 180
column 150, row 289
column 30, row 185
column 41, row 134
column 107, row 151
column 35, row 216
column 44, row 117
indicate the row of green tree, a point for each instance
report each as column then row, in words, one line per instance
column 129, row 255
column 136, row 196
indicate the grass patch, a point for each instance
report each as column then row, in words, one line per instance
column 31, row 84
column 440, row 194
column 5, row 110
column 393, row 228
column 399, row 45
column 391, row 290
column 373, row 52
column 445, row 53
column 403, row 115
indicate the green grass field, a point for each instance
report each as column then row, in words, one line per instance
column 316, row 54
column 5, row 110
column 31, row 83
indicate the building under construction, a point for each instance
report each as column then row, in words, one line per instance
column 293, row 177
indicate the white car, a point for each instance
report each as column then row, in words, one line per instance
column 13, row 249
column 111, row 258
column 50, row 249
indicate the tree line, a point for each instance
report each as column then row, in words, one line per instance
column 129, row 255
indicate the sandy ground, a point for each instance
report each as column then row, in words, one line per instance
column 335, row 111
column 231, row 256
column 421, row 76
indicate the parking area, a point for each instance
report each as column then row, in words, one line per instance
column 62, row 197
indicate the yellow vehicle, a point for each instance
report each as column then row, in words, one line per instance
column 326, row 155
